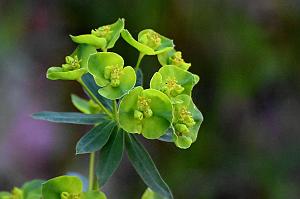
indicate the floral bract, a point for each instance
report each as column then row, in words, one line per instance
column 173, row 57
column 75, row 66
column 186, row 122
column 148, row 112
column 173, row 81
column 149, row 42
column 107, row 69
column 103, row 37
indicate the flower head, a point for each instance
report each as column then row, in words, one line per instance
column 173, row 57
column 75, row 64
column 110, row 74
column 148, row 112
column 103, row 37
column 173, row 81
column 186, row 122
column 149, row 42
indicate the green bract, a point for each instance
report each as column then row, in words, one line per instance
column 149, row 194
column 149, row 42
column 173, row 81
column 75, row 66
column 103, row 37
column 173, row 57
column 107, row 69
column 85, row 106
column 68, row 187
column 148, row 112
column 186, row 122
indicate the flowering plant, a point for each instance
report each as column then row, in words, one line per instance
column 119, row 108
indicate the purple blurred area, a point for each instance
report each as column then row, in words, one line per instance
column 245, row 52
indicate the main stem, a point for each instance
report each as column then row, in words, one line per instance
column 141, row 55
column 91, row 171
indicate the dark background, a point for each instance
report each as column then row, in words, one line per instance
column 246, row 53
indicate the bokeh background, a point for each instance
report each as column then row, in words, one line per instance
column 247, row 53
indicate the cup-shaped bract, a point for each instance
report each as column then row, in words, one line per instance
column 149, row 42
column 147, row 112
column 186, row 122
column 173, row 57
column 110, row 74
column 75, row 66
column 173, row 81
column 103, row 37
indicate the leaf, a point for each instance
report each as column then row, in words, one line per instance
column 89, row 81
column 168, row 136
column 93, row 195
column 139, row 78
column 111, row 156
column 58, row 73
column 145, row 166
column 81, row 104
column 96, row 138
column 53, row 188
column 70, row 117
column 32, row 189
column 90, row 40
column 149, row 194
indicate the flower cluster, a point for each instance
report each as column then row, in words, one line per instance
column 152, row 112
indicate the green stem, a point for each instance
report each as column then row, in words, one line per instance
column 91, row 171
column 95, row 99
column 141, row 55
column 116, row 110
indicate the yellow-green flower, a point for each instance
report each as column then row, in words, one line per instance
column 173, row 57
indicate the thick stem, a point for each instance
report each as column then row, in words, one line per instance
column 95, row 99
column 92, row 171
column 141, row 55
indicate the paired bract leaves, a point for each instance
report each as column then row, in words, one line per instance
column 68, row 187
column 173, row 81
column 110, row 74
column 75, row 66
column 149, row 42
column 103, row 37
column 148, row 112
column 173, row 57
column 187, row 121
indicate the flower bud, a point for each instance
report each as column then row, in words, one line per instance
column 17, row 193
column 138, row 115
column 181, row 128
column 148, row 113
column 151, row 39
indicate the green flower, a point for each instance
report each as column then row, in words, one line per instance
column 75, row 66
column 149, row 42
column 173, row 81
column 148, row 112
column 107, row 69
column 186, row 122
column 103, row 37
column 173, row 57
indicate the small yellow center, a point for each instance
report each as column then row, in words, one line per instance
column 66, row 195
column 151, row 39
column 113, row 73
column 172, row 88
column 72, row 63
column 184, row 120
column 143, row 108
column 103, row 31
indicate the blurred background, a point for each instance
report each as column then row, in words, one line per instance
column 246, row 52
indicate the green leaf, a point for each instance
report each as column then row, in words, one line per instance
column 5, row 195
column 116, row 28
column 89, row 81
column 84, row 52
column 93, row 195
column 85, row 106
column 90, row 40
column 53, row 188
column 111, row 156
column 58, row 73
column 173, row 57
column 145, row 167
column 32, row 189
column 149, row 194
column 70, row 117
column 96, row 138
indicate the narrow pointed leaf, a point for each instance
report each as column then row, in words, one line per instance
column 111, row 156
column 89, row 81
column 70, row 117
column 145, row 166
column 95, row 139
